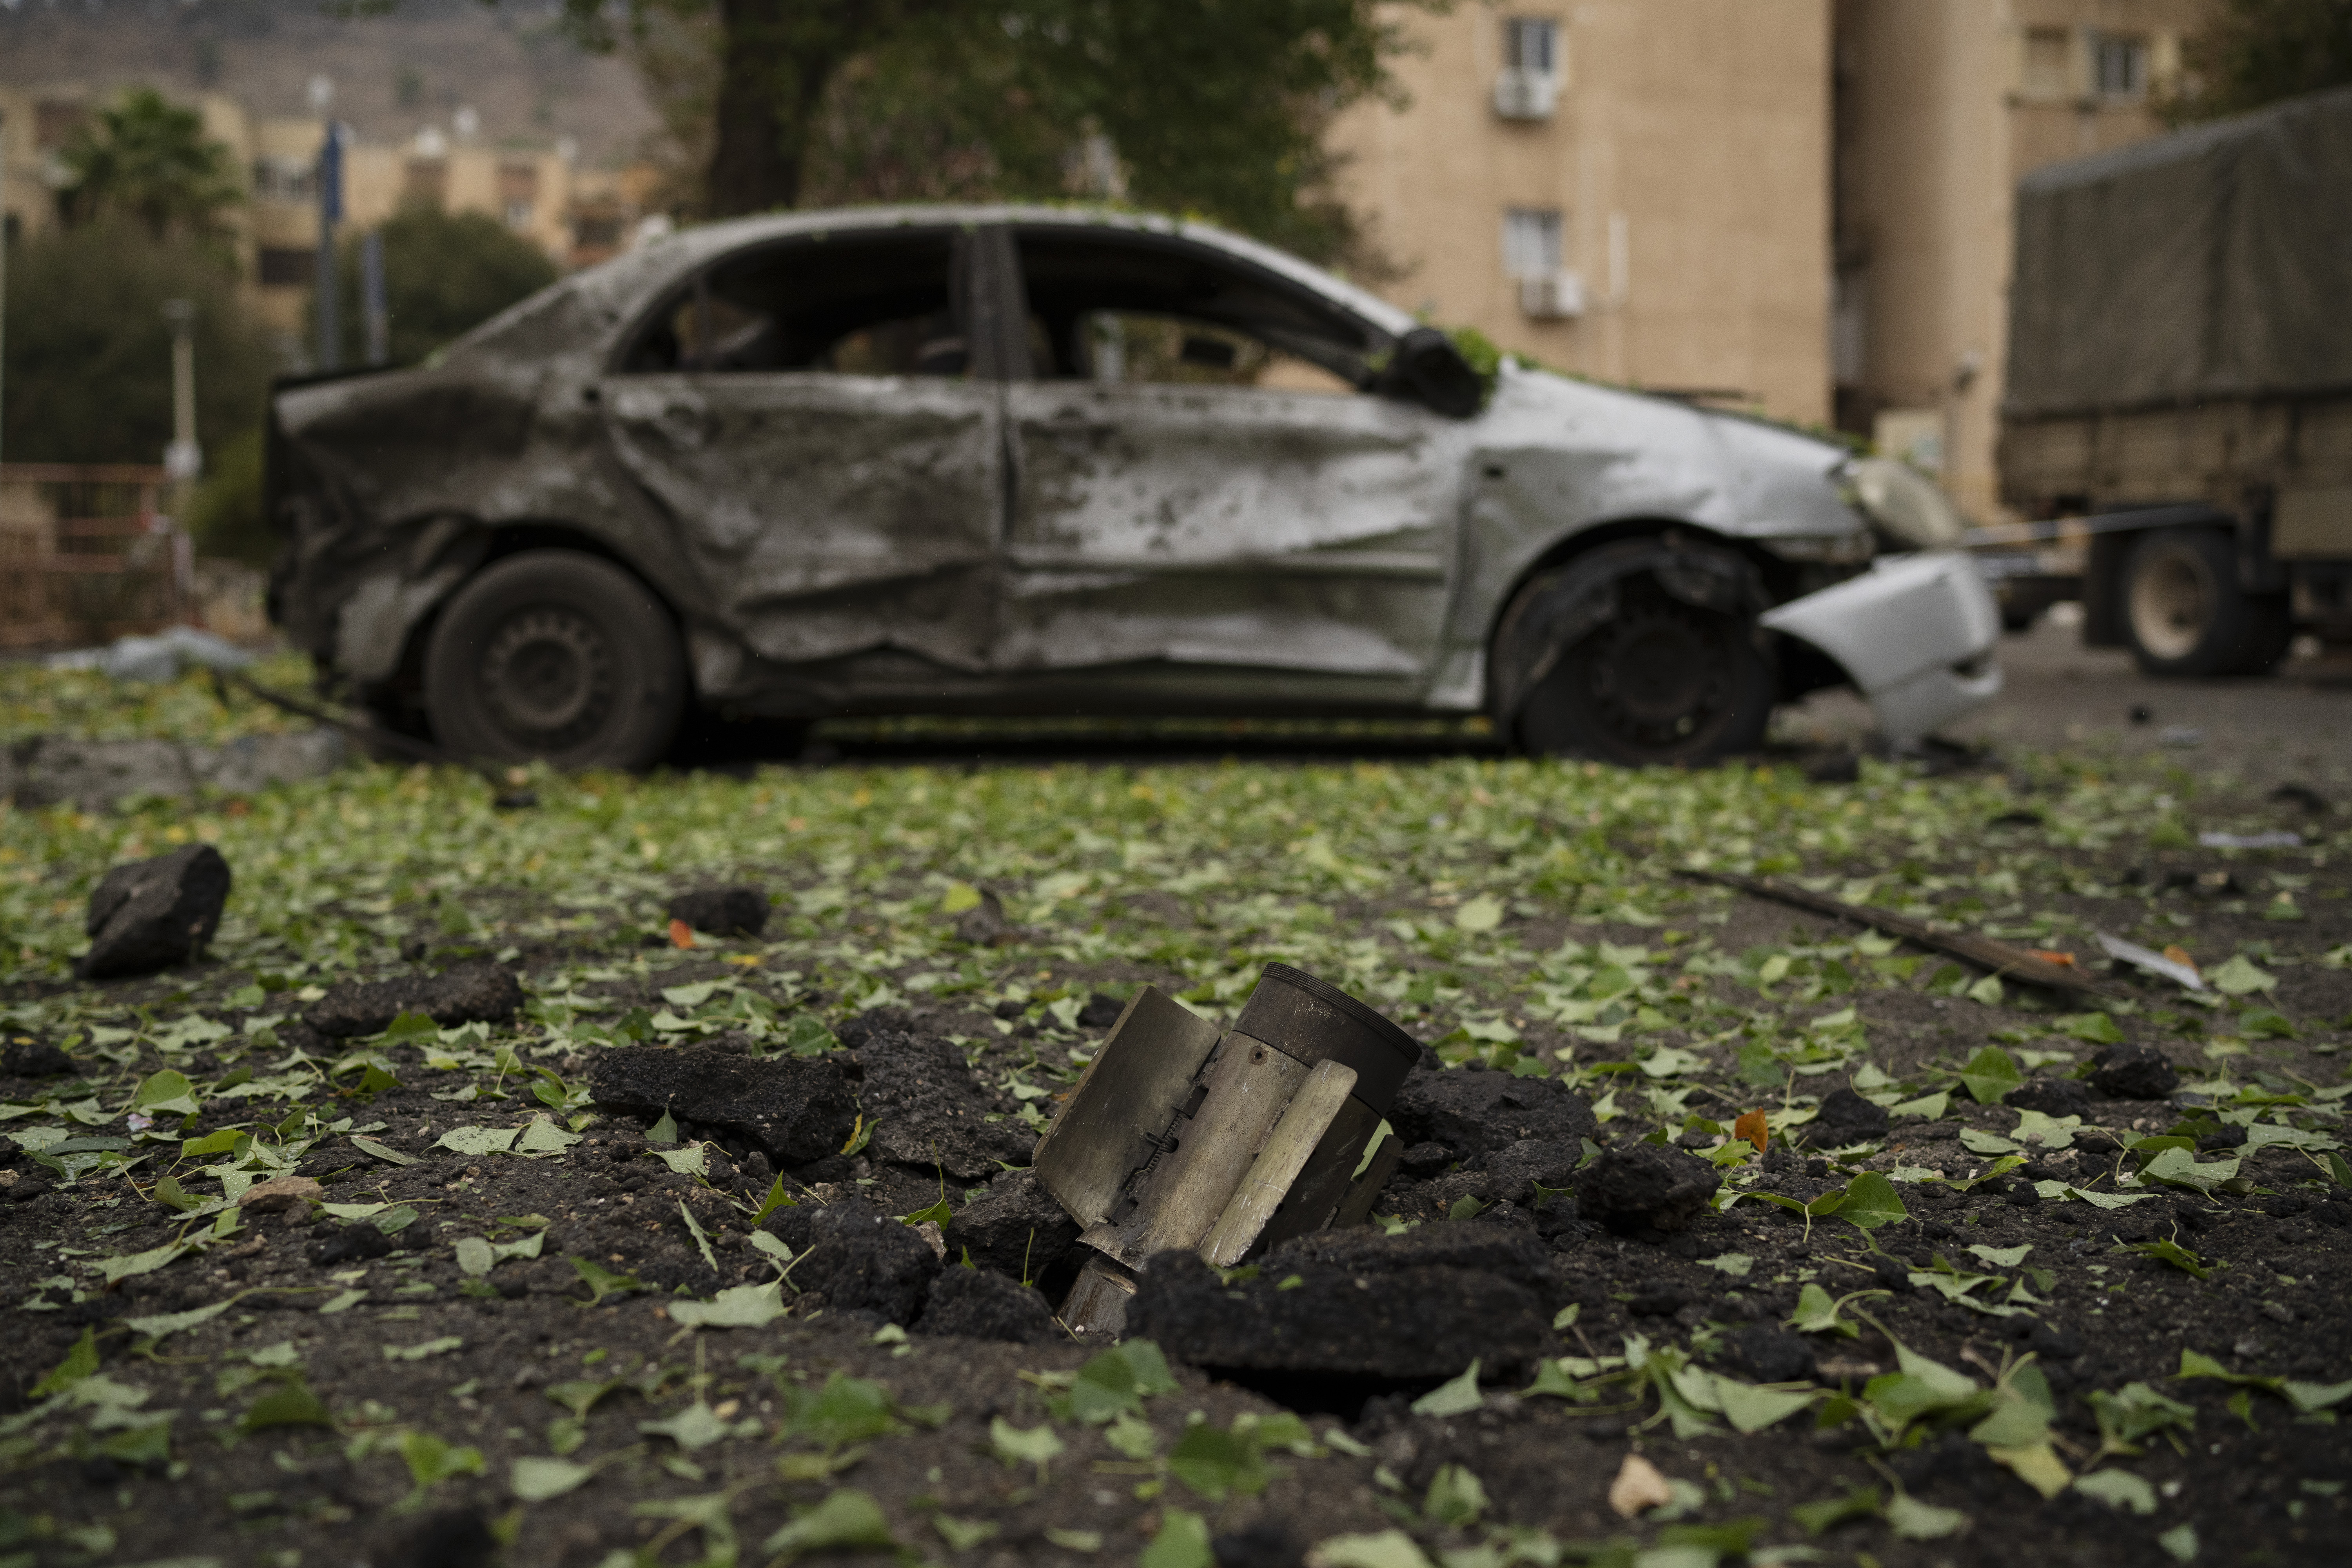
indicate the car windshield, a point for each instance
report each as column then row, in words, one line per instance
column 1112, row 306
column 852, row 304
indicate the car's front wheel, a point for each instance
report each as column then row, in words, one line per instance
column 2187, row 616
column 1662, row 680
column 555, row 655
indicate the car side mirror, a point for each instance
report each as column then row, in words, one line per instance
column 1428, row 368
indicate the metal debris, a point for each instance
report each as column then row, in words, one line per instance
column 1178, row 1139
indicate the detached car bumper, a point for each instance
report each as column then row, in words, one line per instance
column 1915, row 635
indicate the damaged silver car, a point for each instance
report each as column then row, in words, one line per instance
column 1030, row 460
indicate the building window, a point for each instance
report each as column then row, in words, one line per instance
column 283, row 269
column 427, row 177
column 282, row 179
column 1531, row 44
column 1531, row 242
column 2048, row 60
column 2121, row 64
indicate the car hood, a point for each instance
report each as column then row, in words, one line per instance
column 1626, row 454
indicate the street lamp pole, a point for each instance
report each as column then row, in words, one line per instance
column 330, row 209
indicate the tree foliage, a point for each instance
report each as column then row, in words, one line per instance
column 89, row 353
column 2248, row 53
column 443, row 274
column 1210, row 106
column 145, row 160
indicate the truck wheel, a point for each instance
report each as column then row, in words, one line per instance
column 2186, row 615
column 554, row 655
column 1662, row 681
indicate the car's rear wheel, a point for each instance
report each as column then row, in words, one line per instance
column 2185, row 615
column 1661, row 681
column 554, row 655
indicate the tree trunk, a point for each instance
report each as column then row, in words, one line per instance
column 776, row 58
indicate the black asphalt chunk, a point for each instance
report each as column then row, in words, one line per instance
column 151, row 914
column 1845, row 1117
column 1646, row 1187
column 739, row 910
column 796, row 1109
column 1769, row 1355
column 1370, row 1311
column 863, row 1260
column 25, row 1057
column 2133, row 1072
column 2051, row 1096
column 1014, row 1228
column 477, row 992
column 927, row 1109
column 1474, row 1111
column 979, row 1304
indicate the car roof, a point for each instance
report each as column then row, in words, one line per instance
column 711, row 239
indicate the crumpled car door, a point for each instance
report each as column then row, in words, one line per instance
column 840, row 492
column 1222, row 537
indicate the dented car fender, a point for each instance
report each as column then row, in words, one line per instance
column 1915, row 633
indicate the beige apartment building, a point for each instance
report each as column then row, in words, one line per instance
column 1632, row 190
column 576, row 216
column 1941, row 105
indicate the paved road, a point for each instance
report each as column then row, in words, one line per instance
column 2294, row 725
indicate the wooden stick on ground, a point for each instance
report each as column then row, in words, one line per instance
column 2004, row 959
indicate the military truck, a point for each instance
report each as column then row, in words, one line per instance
column 2178, row 424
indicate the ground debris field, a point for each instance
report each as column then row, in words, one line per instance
column 460, row 1206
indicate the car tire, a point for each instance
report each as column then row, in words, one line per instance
column 1661, row 681
column 556, row 656
column 2185, row 614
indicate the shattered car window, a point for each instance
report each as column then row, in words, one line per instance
column 861, row 305
column 1110, row 307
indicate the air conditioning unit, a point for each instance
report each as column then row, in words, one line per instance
column 1552, row 296
column 1524, row 94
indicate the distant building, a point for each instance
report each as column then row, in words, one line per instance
column 1941, row 105
column 578, row 217
column 1633, row 190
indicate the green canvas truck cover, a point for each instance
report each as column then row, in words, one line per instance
column 2212, row 263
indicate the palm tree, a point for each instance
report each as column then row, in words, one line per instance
column 145, row 160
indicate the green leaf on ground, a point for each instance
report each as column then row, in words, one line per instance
column 1455, row 1498
column 1871, row 1201
column 2238, row 977
column 476, row 1141
column 1217, row 1463
column 1817, row 1517
column 847, row 1518
column 737, row 1307
column 535, row 1478
column 1458, row 1395
column 2118, row 1489
column 429, row 1460
column 1989, row 1073
column 602, row 1281
column 1916, row 1520
column 1181, row 1542
column 1024, row 1445
column 421, row 1351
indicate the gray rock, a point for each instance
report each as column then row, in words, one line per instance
column 1646, row 1187
column 1014, row 1228
column 977, row 1304
column 153, row 914
column 477, row 992
column 1472, row 1112
column 927, row 1109
column 863, row 1260
column 740, row 911
column 1369, row 1308
column 795, row 1110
